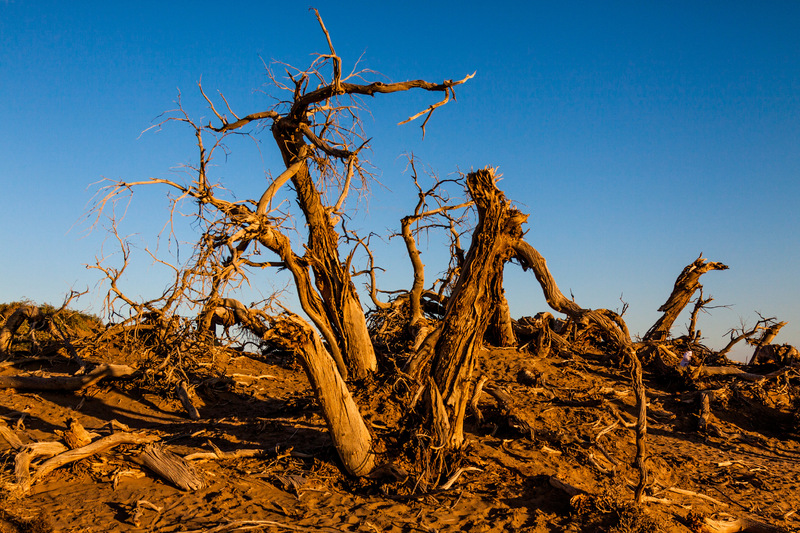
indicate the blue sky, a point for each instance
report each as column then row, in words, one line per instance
column 636, row 134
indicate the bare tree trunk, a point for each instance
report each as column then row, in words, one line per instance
column 685, row 287
column 339, row 298
column 693, row 333
column 415, row 295
column 501, row 326
column 350, row 435
column 469, row 308
column 766, row 338
column 309, row 299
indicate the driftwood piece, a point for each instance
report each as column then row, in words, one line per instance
column 219, row 454
column 138, row 511
column 735, row 525
column 23, row 460
column 694, row 494
column 8, row 434
column 66, row 383
column 171, row 467
column 98, row 446
column 76, row 436
column 452, row 479
column 186, row 401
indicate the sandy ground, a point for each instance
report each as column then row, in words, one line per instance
column 748, row 467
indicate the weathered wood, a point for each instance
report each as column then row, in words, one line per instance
column 61, row 455
column 349, row 432
column 340, row 301
column 708, row 371
column 171, row 467
column 66, row 383
column 98, row 446
column 732, row 525
column 8, row 434
column 186, row 401
column 501, row 325
column 22, row 463
column 470, row 306
column 685, row 287
column 76, row 435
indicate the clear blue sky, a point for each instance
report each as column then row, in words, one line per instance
column 636, row 134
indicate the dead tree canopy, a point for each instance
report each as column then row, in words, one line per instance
column 685, row 287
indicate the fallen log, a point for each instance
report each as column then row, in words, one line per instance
column 98, row 446
column 708, row 371
column 66, row 382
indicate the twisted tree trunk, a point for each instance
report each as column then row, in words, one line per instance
column 470, row 307
column 340, row 301
column 350, row 435
column 685, row 287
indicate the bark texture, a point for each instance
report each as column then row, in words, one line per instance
column 340, row 301
column 685, row 287
column 470, row 306
column 349, row 432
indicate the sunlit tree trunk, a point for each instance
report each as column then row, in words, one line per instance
column 339, row 298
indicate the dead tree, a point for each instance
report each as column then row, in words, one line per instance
column 308, row 130
column 745, row 333
column 432, row 203
column 313, row 129
column 316, row 132
column 445, row 362
column 765, row 350
column 685, row 287
column 469, row 308
column 700, row 304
